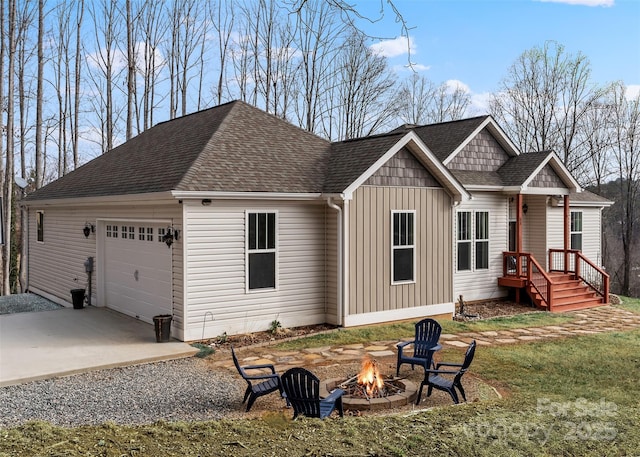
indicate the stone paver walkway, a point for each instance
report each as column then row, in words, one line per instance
column 590, row 321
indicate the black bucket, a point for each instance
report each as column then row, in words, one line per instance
column 162, row 324
column 77, row 297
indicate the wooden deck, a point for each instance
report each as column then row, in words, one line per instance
column 556, row 291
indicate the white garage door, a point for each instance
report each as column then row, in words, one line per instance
column 137, row 269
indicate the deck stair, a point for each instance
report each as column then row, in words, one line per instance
column 573, row 282
column 568, row 294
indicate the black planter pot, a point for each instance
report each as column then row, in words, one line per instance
column 77, row 297
column 162, row 324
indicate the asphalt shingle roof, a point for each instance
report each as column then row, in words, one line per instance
column 232, row 147
column 350, row 159
column 442, row 139
column 519, row 168
column 239, row 148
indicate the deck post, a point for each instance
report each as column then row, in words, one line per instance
column 518, row 234
column 567, row 231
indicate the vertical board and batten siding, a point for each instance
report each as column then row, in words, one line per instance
column 534, row 225
column 57, row 265
column 591, row 230
column 370, row 288
column 217, row 300
column 483, row 284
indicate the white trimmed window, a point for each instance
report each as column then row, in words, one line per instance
column 403, row 258
column 40, row 226
column 482, row 240
column 464, row 240
column 472, row 240
column 261, row 250
column 576, row 230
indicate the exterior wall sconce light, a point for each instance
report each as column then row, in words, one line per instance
column 525, row 208
column 170, row 236
column 206, row 201
column 88, row 229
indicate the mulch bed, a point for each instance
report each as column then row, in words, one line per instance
column 483, row 310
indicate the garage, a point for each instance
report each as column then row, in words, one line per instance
column 137, row 269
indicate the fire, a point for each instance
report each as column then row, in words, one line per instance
column 370, row 377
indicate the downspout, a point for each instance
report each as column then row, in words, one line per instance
column 339, row 302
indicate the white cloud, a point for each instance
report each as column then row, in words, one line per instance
column 605, row 3
column 480, row 103
column 454, row 84
column 394, row 48
column 633, row 91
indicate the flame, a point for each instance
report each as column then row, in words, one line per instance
column 370, row 377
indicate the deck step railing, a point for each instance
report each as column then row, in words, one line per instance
column 524, row 265
column 583, row 268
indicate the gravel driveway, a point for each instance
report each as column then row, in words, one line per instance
column 184, row 389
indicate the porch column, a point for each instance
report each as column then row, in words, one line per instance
column 518, row 233
column 567, row 233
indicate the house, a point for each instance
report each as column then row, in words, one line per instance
column 231, row 218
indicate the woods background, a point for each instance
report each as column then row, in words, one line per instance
column 78, row 78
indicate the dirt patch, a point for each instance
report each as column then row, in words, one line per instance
column 493, row 308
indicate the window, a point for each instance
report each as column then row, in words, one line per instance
column 482, row 240
column 403, row 246
column 464, row 240
column 40, row 225
column 576, row 230
column 261, row 250
column 473, row 240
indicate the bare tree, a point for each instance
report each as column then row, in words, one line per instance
column 626, row 153
column 9, row 167
column 423, row 102
column 319, row 33
column 187, row 28
column 131, row 70
column 222, row 19
column 364, row 92
column 3, row 52
column 39, row 159
column 543, row 100
column 75, row 127
column 104, row 14
column 152, row 29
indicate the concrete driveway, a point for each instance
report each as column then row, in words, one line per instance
column 47, row 344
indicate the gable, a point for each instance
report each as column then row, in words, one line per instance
column 547, row 178
column 402, row 170
column 482, row 153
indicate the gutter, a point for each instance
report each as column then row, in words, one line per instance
column 340, row 311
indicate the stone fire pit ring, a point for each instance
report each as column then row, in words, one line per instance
column 374, row 404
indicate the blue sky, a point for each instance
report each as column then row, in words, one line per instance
column 475, row 41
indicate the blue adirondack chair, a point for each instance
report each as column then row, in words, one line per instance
column 425, row 343
column 266, row 384
column 303, row 392
column 433, row 378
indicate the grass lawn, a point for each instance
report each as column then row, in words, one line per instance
column 570, row 397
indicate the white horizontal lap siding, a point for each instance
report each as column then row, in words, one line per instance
column 591, row 231
column 483, row 284
column 591, row 234
column 216, row 295
column 57, row 265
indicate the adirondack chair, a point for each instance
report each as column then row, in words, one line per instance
column 267, row 382
column 425, row 343
column 303, row 391
column 434, row 380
